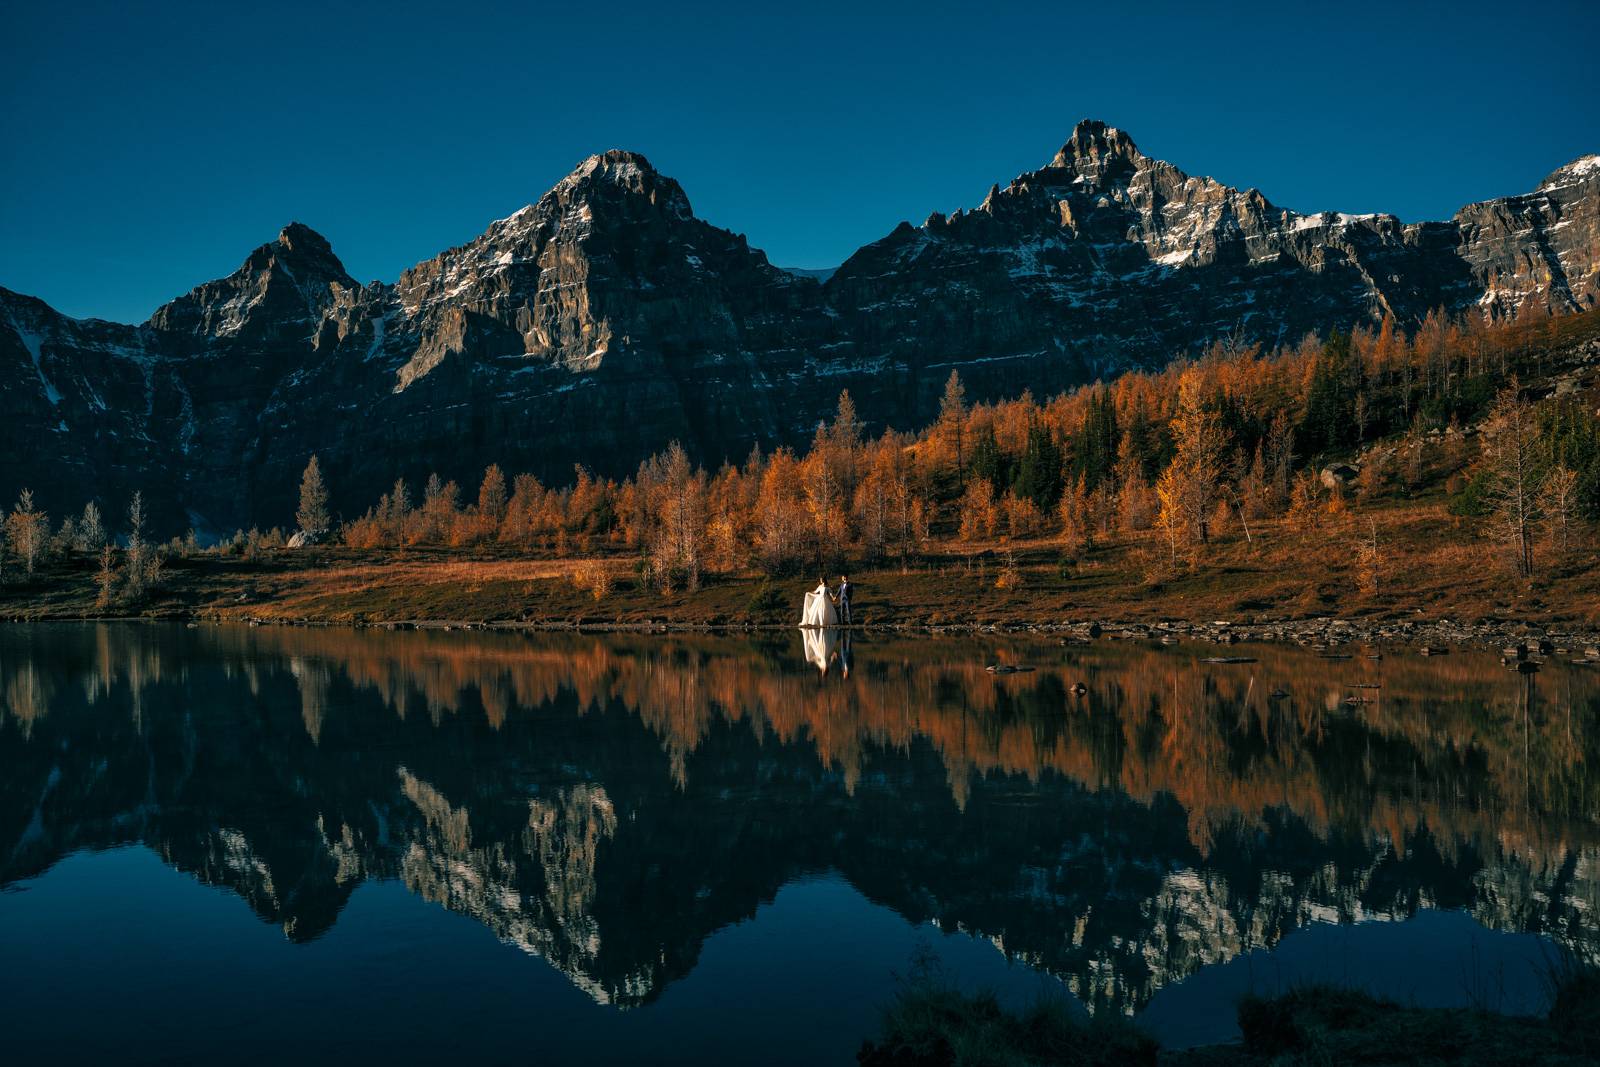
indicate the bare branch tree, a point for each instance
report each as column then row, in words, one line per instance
column 1510, row 441
column 1559, row 503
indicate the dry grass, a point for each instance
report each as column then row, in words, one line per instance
column 1435, row 566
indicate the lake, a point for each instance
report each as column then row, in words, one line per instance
column 258, row 843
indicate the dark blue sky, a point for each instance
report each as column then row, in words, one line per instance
column 148, row 147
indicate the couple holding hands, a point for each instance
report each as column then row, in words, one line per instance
column 825, row 607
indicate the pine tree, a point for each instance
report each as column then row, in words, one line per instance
column 1134, row 503
column 1095, row 456
column 106, row 578
column 953, row 420
column 1188, row 487
column 843, row 446
column 1280, row 455
column 846, row 432
column 312, row 515
column 1253, row 486
column 1039, row 471
column 26, row 529
column 137, row 549
column 1330, row 399
column 491, row 499
column 987, row 462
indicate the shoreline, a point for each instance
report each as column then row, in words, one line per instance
column 1460, row 596
column 1579, row 644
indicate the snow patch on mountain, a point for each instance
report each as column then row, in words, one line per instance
column 1578, row 170
column 33, row 343
column 1327, row 219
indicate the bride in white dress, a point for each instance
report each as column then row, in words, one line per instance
column 819, row 610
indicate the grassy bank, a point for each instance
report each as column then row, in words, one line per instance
column 1434, row 566
column 929, row 1023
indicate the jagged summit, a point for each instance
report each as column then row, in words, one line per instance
column 616, row 164
column 288, row 279
column 614, row 180
column 1094, row 147
column 298, row 239
column 618, row 172
column 299, row 250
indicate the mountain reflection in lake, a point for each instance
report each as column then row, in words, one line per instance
column 609, row 803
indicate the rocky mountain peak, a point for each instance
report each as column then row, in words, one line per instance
column 620, row 174
column 299, row 240
column 288, row 280
column 617, row 186
column 299, row 254
column 1582, row 169
column 616, row 165
column 1096, row 151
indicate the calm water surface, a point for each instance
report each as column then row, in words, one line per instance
column 261, row 844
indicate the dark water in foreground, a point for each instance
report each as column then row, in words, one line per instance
column 260, row 844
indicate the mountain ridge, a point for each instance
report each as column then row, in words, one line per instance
column 605, row 319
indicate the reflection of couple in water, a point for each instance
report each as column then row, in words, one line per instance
column 826, row 646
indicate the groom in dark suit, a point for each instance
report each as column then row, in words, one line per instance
column 844, row 600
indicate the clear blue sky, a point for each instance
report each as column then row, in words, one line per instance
column 148, row 147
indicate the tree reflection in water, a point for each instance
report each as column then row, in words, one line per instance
column 607, row 802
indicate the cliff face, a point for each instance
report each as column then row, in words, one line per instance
column 1541, row 250
column 1106, row 257
column 605, row 320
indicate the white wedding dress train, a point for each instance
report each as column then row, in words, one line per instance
column 818, row 610
column 821, row 646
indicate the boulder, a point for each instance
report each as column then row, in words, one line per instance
column 1338, row 475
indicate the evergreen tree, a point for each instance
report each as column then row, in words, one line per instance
column 952, row 421
column 312, row 515
column 1038, row 475
column 846, row 432
column 1330, row 417
column 1572, row 438
column 988, row 462
column 1096, row 453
